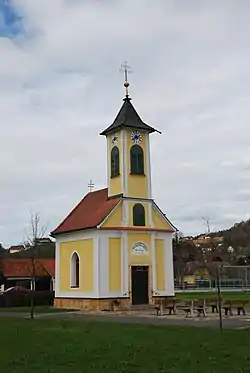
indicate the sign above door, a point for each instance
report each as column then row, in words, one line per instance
column 139, row 248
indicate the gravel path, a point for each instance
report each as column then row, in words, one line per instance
column 233, row 322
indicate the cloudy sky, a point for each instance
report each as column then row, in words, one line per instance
column 60, row 86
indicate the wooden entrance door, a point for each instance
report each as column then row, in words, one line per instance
column 139, row 278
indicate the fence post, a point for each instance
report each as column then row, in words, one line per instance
column 219, row 295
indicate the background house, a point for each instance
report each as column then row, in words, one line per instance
column 16, row 265
column 19, row 272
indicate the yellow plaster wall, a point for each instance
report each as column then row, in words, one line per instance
column 137, row 184
column 114, row 264
column 158, row 220
column 115, row 218
column 115, row 186
column 139, row 259
column 159, row 264
column 84, row 248
column 146, row 207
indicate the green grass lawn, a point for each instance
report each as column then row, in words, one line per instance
column 51, row 346
column 242, row 295
column 38, row 309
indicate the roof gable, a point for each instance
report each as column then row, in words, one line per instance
column 114, row 218
column 89, row 213
column 160, row 220
column 128, row 117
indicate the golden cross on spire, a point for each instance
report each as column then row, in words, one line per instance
column 126, row 69
column 90, row 185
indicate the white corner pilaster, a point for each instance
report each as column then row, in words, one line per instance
column 96, row 265
column 124, row 163
column 125, row 264
column 169, row 269
column 57, row 269
column 150, row 214
column 152, row 243
column 148, row 165
column 108, row 163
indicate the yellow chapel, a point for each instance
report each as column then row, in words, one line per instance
column 116, row 244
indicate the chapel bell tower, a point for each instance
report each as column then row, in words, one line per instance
column 128, row 152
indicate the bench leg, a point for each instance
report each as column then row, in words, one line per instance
column 172, row 309
column 239, row 309
column 214, row 308
column 161, row 310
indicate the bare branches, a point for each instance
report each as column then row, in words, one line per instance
column 207, row 222
column 35, row 231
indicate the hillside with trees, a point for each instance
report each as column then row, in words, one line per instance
column 231, row 247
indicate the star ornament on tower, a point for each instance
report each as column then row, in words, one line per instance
column 136, row 137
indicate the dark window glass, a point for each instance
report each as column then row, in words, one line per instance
column 138, row 215
column 75, row 276
column 136, row 160
column 115, row 169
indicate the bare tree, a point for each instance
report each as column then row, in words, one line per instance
column 35, row 232
column 213, row 262
column 207, row 222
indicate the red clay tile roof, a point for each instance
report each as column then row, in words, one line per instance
column 89, row 213
column 23, row 267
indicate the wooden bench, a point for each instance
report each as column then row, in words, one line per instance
column 213, row 303
column 200, row 306
column 229, row 305
column 162, row 304
column 187, row 307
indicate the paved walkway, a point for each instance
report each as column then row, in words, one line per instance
column 231, row 322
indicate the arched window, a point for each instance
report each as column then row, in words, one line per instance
column 138, row 215
column 75, row 271
column 136, row 160
column 115, row 169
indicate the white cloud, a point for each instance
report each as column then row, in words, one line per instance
column 60, row 86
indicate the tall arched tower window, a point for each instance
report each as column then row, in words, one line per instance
column 138, row 215
column 75, row 271
column 136, row 160
column 115, row 169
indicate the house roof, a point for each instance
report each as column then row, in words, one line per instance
column 89, row 213
column 42, row 250
column 128, row 117
column 23, row 267
column 16, row 247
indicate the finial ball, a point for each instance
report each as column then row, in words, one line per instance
column 126, row 85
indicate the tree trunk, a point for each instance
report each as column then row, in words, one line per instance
column 33, row 281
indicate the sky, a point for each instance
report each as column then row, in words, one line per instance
column 60, row 86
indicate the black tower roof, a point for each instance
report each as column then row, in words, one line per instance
column 128, row 117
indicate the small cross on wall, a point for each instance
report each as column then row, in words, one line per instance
column 90, row 185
